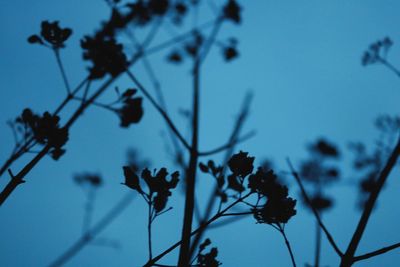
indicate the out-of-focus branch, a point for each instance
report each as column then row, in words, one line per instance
column 348, row 257
column 314, row 210
column 91, row 233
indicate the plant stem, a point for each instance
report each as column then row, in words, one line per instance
column 317, row 244
column 18, row 179
column 184, row 253
column 314, row 210
column 282, row 231
column 210, row 221
column 376, row 252
column 348, row 257
column 94, row 231
column 234, row 135
column 159, row 109
column 149, row 221
column 63, row 74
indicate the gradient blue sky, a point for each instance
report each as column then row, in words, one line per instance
column 301, row 59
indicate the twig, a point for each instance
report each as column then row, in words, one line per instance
column 282, row 231
column 151, row 50
column 85, row 239
column 63, row 74
column 12, row 185
column 376, row 252
column 315, row 212
column 149, row 222
column 348, row 257
column 389, row 65
column 184, row 253
column 228, row 145
column 210, row 221
column 317, row 245
column 160, row 110
column 29, row 142
column 236, row 131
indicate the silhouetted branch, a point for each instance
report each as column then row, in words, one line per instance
column 228, row 145
column 235, row 133
column 62, row 70
column 69, row 97
column 184, row 253
column 149, row 222
column 348, row 257
column 238, row 213
column 85, row 239
column 160, row 110
column 376, row 252
column 18, row 153
column 210, row 221
column 282, row 231
column 314, row 210
column 317, row 245
column 389, row 66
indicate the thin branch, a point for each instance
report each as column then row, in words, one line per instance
column 85, row 239
column 389, row 66
column 159, row 109
column 376, row 252
column 62, row 70
column 228, row 145
column 282, row 231
column 238, row 213
column 18, row 179
column 209, row 222
column 184, row 253
column 149, row 51
column 362, row 224
column 235, row 133
column 149, row 222
column 315, row 212
column 317, row 245
column 14, row 156
column 89, row 208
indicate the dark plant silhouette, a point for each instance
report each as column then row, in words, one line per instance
column 238, row 188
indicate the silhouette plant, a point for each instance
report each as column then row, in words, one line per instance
column 238, row 185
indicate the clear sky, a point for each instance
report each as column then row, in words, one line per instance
column 302, row 61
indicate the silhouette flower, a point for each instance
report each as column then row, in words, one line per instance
column 230, row 53
column 158, row 185
column 266, row 184
column 240, row 164
column 131, row 111
column 325, row 149
column 231, row 11
column 106, row 55
column 208, row 259
column 377, row 51
column 276, row 211
column 45, row 130
column 175, row 57
column 321, row 202
column 52, row 34
column 131, row 179
column 91, row 179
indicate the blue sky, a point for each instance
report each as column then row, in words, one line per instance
column 302, row 61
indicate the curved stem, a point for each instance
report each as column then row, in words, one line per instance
column 314, row 210
column 282, row 231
